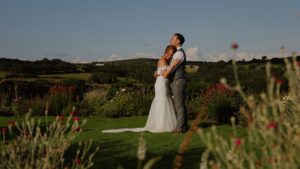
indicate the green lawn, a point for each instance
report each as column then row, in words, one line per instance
column 79, row 76
column 52, row 77
column 120, row 148
column 2, row 74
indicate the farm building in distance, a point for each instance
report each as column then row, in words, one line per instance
column 191, row 68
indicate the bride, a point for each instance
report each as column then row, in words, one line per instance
column 162, row 116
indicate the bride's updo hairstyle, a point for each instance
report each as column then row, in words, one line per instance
column 171, row 47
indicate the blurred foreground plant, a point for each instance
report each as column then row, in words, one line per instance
column 273, row 135
column 30, row 145
column 141, row 155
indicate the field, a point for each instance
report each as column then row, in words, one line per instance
column 79, row 76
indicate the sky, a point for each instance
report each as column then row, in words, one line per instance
column 100, row 30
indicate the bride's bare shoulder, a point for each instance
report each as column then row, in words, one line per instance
column 162, row 62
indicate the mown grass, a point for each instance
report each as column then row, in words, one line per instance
column 79, row 76
column 55, row 78
column 121, row 148
column 2, row 74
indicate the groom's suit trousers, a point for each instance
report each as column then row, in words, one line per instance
column 178, row 87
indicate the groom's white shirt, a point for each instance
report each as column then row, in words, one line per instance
column 178, row 55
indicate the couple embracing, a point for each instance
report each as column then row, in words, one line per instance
column 166, row 115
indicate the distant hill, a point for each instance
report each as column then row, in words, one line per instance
column 44, row 66
column 201, row 74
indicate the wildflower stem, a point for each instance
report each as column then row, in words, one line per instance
column 187, row 139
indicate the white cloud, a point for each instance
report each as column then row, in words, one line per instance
column 239, row 56
column 246, row 56
column 79, row 60
column 113, row 57
column 217, row 57
column 145, row 55
column 194, row 54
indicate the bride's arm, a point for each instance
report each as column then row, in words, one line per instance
column 170, row 69
column 157, row 73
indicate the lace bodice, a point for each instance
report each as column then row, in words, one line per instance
column 162, row 69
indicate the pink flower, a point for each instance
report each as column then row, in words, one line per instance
column 279, row 81
column 76, row 118
column 11, row 123
column 234, row 46
column 3, row 130
column 77, row 161
column 258, row 164
column 271, row 125
column 61, row 118
column 77, row 129
column 73, row 113
column 238, row 142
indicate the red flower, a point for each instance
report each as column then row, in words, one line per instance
column 11, row 123
column 238, row 142
column 61, row 89
column 272, row 160
column 76, row 118
column 73, row 113
column 298, row 63
column 77, row 129
column 234, row 46
column 61, row 118
column 77, row 161
column 279, row 81
column 215, row 91
column 3, row 130
column 272, row 125
column 258, row 164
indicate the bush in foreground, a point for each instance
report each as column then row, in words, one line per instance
column 30, row 145
column 272, row 141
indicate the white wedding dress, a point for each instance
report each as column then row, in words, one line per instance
column 162, row 117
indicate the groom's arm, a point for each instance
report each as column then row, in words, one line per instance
column 172, row 67
column 178, row 58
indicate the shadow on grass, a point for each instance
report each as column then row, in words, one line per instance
column 114, row 153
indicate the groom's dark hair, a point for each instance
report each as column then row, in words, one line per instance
column 180, row 37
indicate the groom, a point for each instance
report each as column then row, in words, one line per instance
column 178, row 82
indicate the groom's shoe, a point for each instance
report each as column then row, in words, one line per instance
column 184, row 129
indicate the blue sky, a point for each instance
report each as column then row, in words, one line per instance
column 92, row 30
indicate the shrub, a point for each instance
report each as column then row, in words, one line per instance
column 101, row 77
column 126, row 104
column 272, row 139
column 118, row 86
column 59, row 98
column 92, row 102
column 222, row 103
column 31, row 145
column 5, row 104
column 37, row 106
column 193, row 106
column 5, row 99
